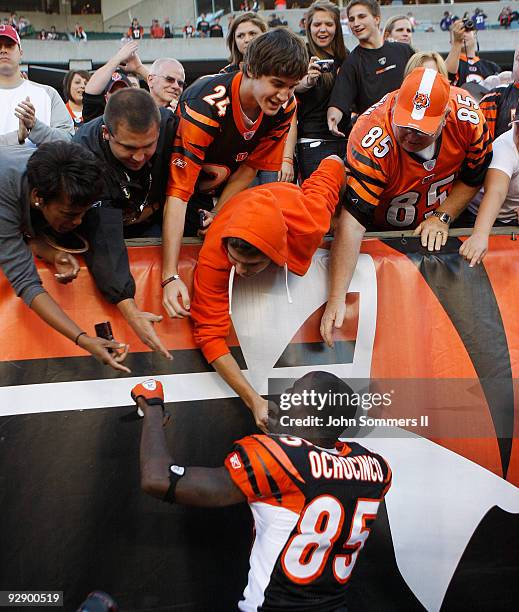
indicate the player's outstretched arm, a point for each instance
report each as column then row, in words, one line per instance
column 160, row 476
column 343, row 260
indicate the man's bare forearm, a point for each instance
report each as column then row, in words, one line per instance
column 199, row 486
column 172, row 232
column 101, row 77
column 229, row 370
column 458, row 199
column 453, row 59
column 497, row 184
column 344, row 254
column 238, row 182
column 155, row 458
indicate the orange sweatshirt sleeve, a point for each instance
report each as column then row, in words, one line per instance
column 210, row 309
column 321, row 190
column 320, row 198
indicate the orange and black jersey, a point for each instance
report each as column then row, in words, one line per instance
column 499, row 106
column 388, row 187
column 473, row 69
column 313, row 509
column 212, row 139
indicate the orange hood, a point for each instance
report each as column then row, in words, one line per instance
column 258, row 220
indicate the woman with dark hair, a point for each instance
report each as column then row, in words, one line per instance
column 327, row 53
column 44, row 197
column 74, row 85
column 242, row 31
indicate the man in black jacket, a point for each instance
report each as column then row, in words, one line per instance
column 133, row 142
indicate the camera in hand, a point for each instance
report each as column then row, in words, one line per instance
column 325, row 65
column 201, row 218
column 98, row 601
column 468, row 24
column 104, row 330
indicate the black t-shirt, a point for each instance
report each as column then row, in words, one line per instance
column 311, row 110
column 93, row 106
column 367, row 75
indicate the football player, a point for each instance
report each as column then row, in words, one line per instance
column 313, row 498
column 416, row 159
column 231, row 125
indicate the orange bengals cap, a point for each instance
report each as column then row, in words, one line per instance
column 421, row 101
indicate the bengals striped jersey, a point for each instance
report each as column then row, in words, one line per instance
column 474, row 69
column 499, row 106
column 390, row 188
column 313, row 509
column 212, row 138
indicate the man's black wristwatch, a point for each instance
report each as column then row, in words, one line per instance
column 442, row 216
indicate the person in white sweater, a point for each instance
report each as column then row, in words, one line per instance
column 31, row 112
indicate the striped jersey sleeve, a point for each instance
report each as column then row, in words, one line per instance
column 262, row 470
column 489, row 106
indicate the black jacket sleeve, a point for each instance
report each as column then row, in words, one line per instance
column 344, row 91
column 107, row 257
column 93, row 106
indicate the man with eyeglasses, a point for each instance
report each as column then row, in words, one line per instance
column 133, row 142
column 166, row 82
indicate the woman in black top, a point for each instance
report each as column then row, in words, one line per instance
column 325, row 42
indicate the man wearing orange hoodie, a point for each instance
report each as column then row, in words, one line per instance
column 278, row 223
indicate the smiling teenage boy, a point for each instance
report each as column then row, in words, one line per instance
column 231, row 125
column 374, row 68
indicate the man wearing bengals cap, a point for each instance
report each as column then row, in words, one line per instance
column 30, row 111
column 415, row 160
